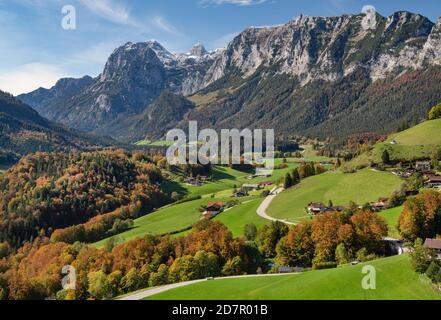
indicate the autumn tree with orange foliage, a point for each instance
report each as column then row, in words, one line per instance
column 34, row 272
column 315, row 242
column 328, row 231
column 297, row 248
column 370, row 229
column 421, row 216
column 38, row 275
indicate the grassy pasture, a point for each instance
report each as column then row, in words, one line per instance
column 415, row 143
column 361, row 187
column 394, row 281
column 392, row 216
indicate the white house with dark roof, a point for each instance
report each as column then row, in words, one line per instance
column 434, row 182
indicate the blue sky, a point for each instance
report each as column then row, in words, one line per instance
column 36, row 51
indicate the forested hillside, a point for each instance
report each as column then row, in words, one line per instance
column 352, row 105
column 163, row 115
column 23, row 131
column 48, row 191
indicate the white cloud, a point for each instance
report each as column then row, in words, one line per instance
column 29, row 77
column 112, row 11
column 206, row 3
column 162, row 24
column 120, row 14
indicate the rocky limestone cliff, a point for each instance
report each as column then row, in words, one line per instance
column 316, row 51
column 328, row 48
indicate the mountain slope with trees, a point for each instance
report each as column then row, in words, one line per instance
column 421, row 142
column 48, row 191
column 23, row 131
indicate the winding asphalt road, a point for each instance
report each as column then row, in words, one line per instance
column 147, row 293
column 261, row 211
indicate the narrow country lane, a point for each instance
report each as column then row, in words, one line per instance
column 261, row 211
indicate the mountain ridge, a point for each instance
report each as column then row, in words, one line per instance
column 307, row 52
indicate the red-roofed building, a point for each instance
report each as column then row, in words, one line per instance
column 266, row 183
column 221, row 204
column 381, row 204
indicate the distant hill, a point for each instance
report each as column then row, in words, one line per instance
column 48, row 101
column 23, row 131
column 418, row 142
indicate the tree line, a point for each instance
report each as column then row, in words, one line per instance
column 304, row 171
column 209, row 250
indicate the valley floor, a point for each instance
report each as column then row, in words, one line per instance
column 288, row 206
column 177, row 218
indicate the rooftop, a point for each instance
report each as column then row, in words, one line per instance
column 316, row 205
column 433, row 244
column 215, row 204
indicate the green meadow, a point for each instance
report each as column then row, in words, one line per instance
column 166, row 220
column 225, row 178
column 238, row 217
column 361, row 187
column 143, row 143
column 415, row 143
column 395, row 280
column 426, row 133
column 392, row 216
column 159, row 143
column 175, row 218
